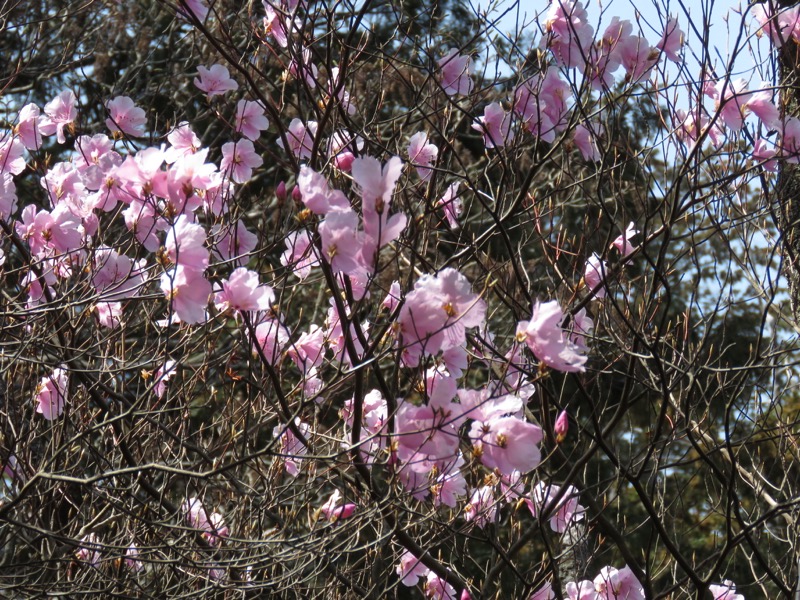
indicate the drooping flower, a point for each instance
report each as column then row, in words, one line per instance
column 51, row 394
column 672, row 40
column 547, row 340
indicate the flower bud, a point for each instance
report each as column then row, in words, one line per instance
column 562, row 426
column 280, row 192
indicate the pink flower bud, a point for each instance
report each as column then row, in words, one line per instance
column 465, row 595
column 297, row 195
column 561, row 426
column 280, row 192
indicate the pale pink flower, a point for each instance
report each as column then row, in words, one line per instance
column 586, row 141
column 482, row 507
column 215, row 80
column 89, row 550
column 212, row 526
column 300, row 137
column 672, row 40
column 11, row 155
column 125, row 116
column 619, row 584
column 244, row 292
column 334, row 511
column 182, row 141
column 132, row 558
column 594, row 274
column 239, row 159
column 308, row 351
column 546, row 339
column 188, row 292
column 544, row 593
column 393, row 296
column 762, row 153
column 568, row 33
column 115, row 276
column 60, row 112
column 317, row 195
column 726, row 591
column 494, row 125
column 507, row 443
column 561, row 426
column 185, row 244
column 234, row 243
column 162, row 376
column 276, row 23
column 561, row 514
column 197, row 8
column 780, row 27
column 29, row 127
column 542, row 105
column 342, row 241
column 51, row 394
column 760, row 104
column 410, row 569
column 437, row 588
column 454, row 71
column 638, row 58
column 250, row 119
column 290, row 448
column 422, row 155
column 8, row 196
column 623, row 242
column 270, row 337
column 299, row 254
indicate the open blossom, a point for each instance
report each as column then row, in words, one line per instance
column 11, row 156
column 185, row 244
column 188, row 292
column 60, row 112
column 162, row 377
column 563, row 513
column 455, row 73
column 541, row 103
column 618, row 584
column 569, row 35
column 51, row 395
column 29, row 126
column 585, row 138
column 239, row 159
column 317, row 195
column 215, row 80
column 544, row 593
column 250, row 119
column 547, row 340
column 623, row 242
column 300, row 137
column 482, row 507
column 422, row 154
column 410, row 569
column 495, row 126
column 183, row 140
column 125, row 116
column 89, row 550
column 672, row 40
column 334, row 510
column 594, row 274
column 244, row 292
column 299, row 254
column 212, row 525
column 290, row 447
column 726, row 591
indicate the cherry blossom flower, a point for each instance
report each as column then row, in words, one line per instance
column 291, row 449
column 182, row 141
column 250, row 119
column 568, row 33
column 60, row 112
column 215, row 80
column 185, row 244
column 437, row 588
column 334, row 511
column 89, row 550
column 300, row 137
column 51, row 394
column 455, row 71
column 125, row 116
column 11, row 159
column 482, row 507
column 623, row 242
column 672, row 40
column 299, row 254
column 240, row 158
column 243, row 292
column 618, row 584
column 563, row 513
column 29, row 127
column 594, row 274
column 586, row 141
column 422, row 155
column 188, row 292
column 542, row 105
column 494, row 125
column 271, row 336
column 317, row 195
column 545, row 338
column 410, row 569
column 726, row 591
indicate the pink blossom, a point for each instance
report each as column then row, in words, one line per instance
column 212, row 526
column 8, row 196
column 109, row 314
column 780, row 27
column 60, row 112
column 568, row 33
column 760, row 104
column 185, row 244
column 582, row 590
column 542, row 105
column 125, row 116
column 243, row 292
column 544, row 593
column 410, row 569
column 450, row 484
column 11, row 159
column 790, row 140
column 308, row 351
column 317, row 195
column 58, row 230
column 51, row 394
column 494, row 125
column 342, row 241
column 276, row 23
column 234, row 243
column 182, row 141
column 726, row 591
column 507, row 443
column 132, row 558
column 89, row 550
column 422, row 155
column 623, row 242
column 585, row 140
column 437, row 588
column 290, row 447
column 197, row 8
column 240, row 158
column 482, row 507
column 545, row 338
column 271, row 336
column 301, row 67
column 561, row 514
column 454, row 71
column 638, row 58
column 300, row 137
column 299, row 254
column 162, row 376
column 115, row 276
column 672, row 40
column 215, row 80
column 29, row 127
column 561, row 426
column 334, row 511
column 392, row 298
column 614, row 584
column 250, row 119
column 342, row 147
column 594, row 274
column 188, row 292
column 761, row 153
